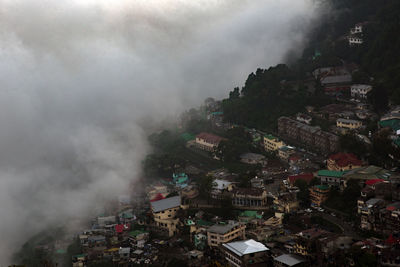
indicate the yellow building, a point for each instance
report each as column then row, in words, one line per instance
column 164, row 214
column 348, row 124
column 223, row 233
column 272, row 143
column 319, row 194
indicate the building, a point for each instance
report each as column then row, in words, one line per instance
column 311, row 136
column 348, row 124
column 303, row 118
column 219, row 187
column 355, row 39
column 306, row 241
column 390, row 218
column 318, row 194
column 360, row 90
column 286, row 203
column 272, row 143
column 289, row 260
column 249, row 197
column 343, row 162
column 253, row 158
column 207, row 141
column 164, row 214
column 257, row 182
column 285, row 152
column 223, row 233
column 358, row 28
column 369, row 212
column 332, row 178
column 245, row 253
column 367, row 173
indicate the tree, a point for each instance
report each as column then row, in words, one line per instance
column 304, row 194
column 205, row 186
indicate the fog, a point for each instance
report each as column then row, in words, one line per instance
column 80, row 80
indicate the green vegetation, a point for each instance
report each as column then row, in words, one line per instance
column 345, row 201
column 326, row 224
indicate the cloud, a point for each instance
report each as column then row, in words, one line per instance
column 79, row 78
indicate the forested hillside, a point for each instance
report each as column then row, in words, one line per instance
column 286, row 89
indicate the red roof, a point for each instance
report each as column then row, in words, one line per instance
column 304, row 176
column 119, row 228
column 373, row 181
column 210, row 138
column 345, row 159
column 158, row 197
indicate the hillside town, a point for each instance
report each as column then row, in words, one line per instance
column 307, row 191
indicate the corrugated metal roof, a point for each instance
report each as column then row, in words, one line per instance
column 165, row 204
column 241, row 248
column 289, row 259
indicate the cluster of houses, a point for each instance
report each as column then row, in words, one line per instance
column 260, row 233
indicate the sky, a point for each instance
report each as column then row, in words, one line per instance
column 82, row 80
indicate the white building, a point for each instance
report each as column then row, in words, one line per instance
column 360, row 90
column 244, row 253
column 355, row 40
column 358, row 28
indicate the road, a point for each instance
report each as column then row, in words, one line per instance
column 346, row 228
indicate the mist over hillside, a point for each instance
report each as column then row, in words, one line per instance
column 80, row 79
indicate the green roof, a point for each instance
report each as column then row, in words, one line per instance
column 250, row 213
column 188, row 136
column 393, row 123
column 270, row 136
column 126, row 215
column 322, row 187
column 337, row 174
column 135, row 233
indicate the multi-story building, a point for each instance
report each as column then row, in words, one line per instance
column 305, row 243
column 164, row 214
column 286, row 203
column 224, row 233
column 318, row 194
column 348, row 124
column 311, row 136
column 360, row 90
column 285, row 152
column 390, row 218
column 355, row 39
column 249, row 197
column 369, row 211
column 272, row 143
column 303, row 118
column 245, row 253
column 343, row 162
column 207, row 141
column 332, row 178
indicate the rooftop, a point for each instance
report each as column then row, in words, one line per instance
column 241, row 248
column 222, row 228
column 289, row 259
column 328, row 173
column 368, row 172
column 166, row 203
column 210, row 138
column 345, row 159
column 270, row 137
